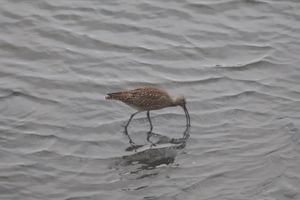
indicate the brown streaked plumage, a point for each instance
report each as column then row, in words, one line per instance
column 146, row 99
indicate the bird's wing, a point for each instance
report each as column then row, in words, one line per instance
column 148, row 98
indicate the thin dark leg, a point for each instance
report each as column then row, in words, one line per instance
column 188, row 119
column 151, row 128
column 148, row 116
column 125, row 129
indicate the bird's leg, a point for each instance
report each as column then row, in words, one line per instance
column 186, row 133
column 130, row 120
column 130, row 140
column 188, row 119
column 148, row 116
column 125, row 129
column 151, row 128
column 148, row 138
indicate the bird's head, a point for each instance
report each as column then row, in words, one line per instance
column 179, row 101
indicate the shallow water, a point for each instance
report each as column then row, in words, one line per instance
column 236, row 62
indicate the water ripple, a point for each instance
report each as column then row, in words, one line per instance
column 236, row 63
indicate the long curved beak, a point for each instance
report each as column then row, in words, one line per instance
column 188, row 119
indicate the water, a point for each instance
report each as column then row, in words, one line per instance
column 236, row 62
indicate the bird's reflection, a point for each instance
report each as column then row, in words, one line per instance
column 161, row 139
column 162, row 151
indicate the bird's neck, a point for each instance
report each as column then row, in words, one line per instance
column 174, row 103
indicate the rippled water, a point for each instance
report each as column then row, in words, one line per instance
column 236, row 62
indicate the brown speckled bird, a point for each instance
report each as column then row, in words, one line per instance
column 146, row 99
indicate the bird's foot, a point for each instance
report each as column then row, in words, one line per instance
column 132, row 143
column 149, row 134
column 133, row 147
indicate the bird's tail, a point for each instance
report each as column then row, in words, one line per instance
column 115, row 95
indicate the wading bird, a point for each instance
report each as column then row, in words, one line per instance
column 147, row 99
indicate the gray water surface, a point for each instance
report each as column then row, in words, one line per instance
column 236, row 61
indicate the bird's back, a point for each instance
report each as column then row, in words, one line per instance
column 145, row 98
